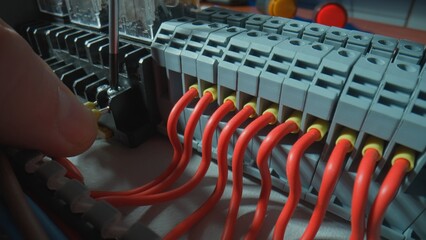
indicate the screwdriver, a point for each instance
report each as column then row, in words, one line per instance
column 113, row 44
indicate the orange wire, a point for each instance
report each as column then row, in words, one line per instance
column 193, row 219
column 237, row 169
column 72, row 171
column 330, row 176
column 360, row 193
column 174, row 140
column 386, row 194
column 153, row 194
column 222, row 161
column 293, row 176
column 265, row 149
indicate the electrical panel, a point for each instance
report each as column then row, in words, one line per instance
column 371, row 84
column 368, row 83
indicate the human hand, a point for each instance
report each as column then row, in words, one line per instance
column 37, row 111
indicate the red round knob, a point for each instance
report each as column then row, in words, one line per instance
column 331, row 14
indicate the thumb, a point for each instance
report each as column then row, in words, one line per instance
column 37, row 110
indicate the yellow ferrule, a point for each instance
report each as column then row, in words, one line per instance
column 252, row 104
column 349, row 135
column 296, row 117
column 274, row 110
column 90, row 105
column 213, row 91
column 321, row 126
column 231, row 98
column 374, row 143
column 194, row 86
column 407, row 154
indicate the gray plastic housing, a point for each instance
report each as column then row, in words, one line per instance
column 300, row 77
column 327, row 84
column 368, row 83
column 227, row 69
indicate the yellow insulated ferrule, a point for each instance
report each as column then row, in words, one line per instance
column 274, row 110
column 349, row 135
column 213, row 91
column 194, row 86
column 374, row 143
column 233, row 99
column 90, row 105
column 321, row 126
column 253, row 105
column 296, row 117
column 407, row 154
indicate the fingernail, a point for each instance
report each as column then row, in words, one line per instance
column 76, row 124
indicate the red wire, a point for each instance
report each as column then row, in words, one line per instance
column 222, row 161
column 174, row 140
column 330, row 176
column 265, row 149
column 153, row 194
column 211, row 126
column 387, row 193
column 237, row 170
column 293, row 176
column 72, row 171
column 360, row 193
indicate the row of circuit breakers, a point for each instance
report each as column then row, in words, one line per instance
column 372, row 84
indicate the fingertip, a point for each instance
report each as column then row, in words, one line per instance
column 76, row 124
column 38, row 110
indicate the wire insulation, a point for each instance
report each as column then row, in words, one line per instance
column 293, row 176
column 195, row 217
column 237, row 169
column 360, row 193
column 72, row 171
column 386, row 194
column 153, row 195
column 330, row 177
column 265, row 149
column 172, row 122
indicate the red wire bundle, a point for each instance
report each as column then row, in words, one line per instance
column 265, row 149
column 293, row 176
column 174, row 140
column 387, row 193
column 211, row 125
column 237, row 169
column 330, row 176
column 360, row 193
column 154, row 194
